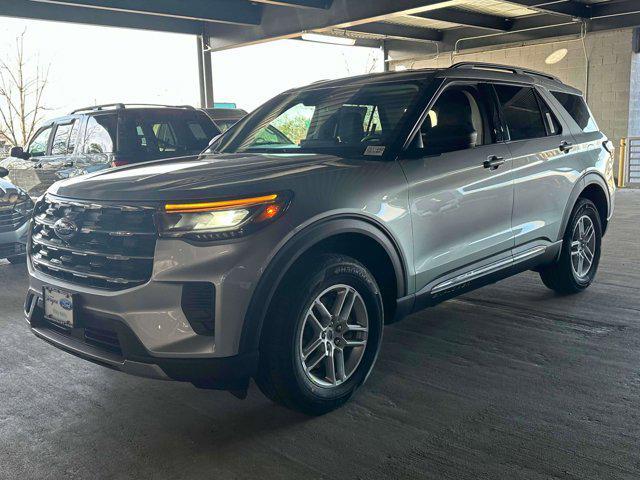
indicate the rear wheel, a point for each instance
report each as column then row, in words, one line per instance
column 322, row 334
column 578, row 263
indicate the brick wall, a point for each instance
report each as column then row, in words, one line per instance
column 610, row 65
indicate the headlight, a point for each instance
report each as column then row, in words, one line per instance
column 23, row 202
column 224, row 219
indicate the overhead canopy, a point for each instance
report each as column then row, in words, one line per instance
column 401, row 25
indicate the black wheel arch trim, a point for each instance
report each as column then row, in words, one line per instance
column 300, row 243
column 589, row 178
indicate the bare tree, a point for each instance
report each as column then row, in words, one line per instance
column 21, row 95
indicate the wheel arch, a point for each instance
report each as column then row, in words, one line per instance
column 321, row 236
column 593, row 187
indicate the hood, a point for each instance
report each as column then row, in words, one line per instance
column 198, row 177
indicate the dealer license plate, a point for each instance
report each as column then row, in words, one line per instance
column 58, row 307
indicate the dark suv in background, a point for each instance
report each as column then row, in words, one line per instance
column 94, row 138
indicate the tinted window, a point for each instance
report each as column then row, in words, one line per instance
column 577, row 108
column 459, row 120
column 521, row 112
column 148, row 134
column 100, row 134
column 38, row 146
column 62, row 144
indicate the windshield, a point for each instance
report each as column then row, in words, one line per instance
column 358, row 119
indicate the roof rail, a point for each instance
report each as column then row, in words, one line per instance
column 118, row 106
column 505, row 68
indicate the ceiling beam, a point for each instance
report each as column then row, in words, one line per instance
column 468, row 19
column 322, row 4
column 615, row 9
column 392, row 30
column 64, row 13
column 225, row 11
column 558, row 7
column 281, row 22
column 522, row 29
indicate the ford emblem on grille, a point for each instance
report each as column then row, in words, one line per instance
column 65, row 228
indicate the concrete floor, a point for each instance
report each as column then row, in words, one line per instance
column 510, row 381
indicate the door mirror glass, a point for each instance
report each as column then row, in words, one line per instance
column 4, row 172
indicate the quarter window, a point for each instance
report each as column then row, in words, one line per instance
column 38, row 146
column 578, row 109
column 521, row 112
column 100, row 134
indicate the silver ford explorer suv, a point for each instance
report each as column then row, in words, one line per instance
column 280, row 256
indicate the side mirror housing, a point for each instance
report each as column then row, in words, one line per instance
column 3, row 172
column 18, row 152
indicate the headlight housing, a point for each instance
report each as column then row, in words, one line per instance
column 222, row 219
column 22, row 201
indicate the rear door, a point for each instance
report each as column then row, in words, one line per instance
column 461, row 186
column 541, row 146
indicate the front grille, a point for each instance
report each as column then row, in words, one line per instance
column 112, row 247
column 10, row 219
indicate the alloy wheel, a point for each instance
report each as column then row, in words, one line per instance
column 333, row 337
column 583, row 247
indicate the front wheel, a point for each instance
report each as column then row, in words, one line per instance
column 322, row 334
column 580, row 255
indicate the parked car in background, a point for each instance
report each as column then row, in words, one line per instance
column 99, row 137
column 225, row 118
column 15, row 210
column 282, row 260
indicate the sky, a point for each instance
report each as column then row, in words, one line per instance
column 91, row 65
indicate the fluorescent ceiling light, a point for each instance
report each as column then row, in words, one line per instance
column 318, row 37
column 556, row 56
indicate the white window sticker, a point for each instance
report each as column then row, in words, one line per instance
column 375, row 150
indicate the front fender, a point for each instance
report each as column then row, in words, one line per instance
column 295, row 248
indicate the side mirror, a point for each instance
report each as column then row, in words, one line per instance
column 18, row 152
column 3, row 172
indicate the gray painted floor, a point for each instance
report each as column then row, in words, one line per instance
column 510, row 381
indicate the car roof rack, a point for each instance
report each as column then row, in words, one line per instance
column 118, row 106
column 503, row 68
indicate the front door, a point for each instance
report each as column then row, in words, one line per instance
column 461, row 186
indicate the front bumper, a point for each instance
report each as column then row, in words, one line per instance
column 14, row 243
column 109, row 342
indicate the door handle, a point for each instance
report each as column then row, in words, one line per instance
column 565, row 146
column 493, row 162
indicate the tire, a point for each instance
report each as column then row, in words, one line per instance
column 564, row 276
column 19, row 260
column 284, row 375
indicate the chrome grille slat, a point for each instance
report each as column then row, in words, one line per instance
column 112, row 249
column 109, row 256
column 11, row 220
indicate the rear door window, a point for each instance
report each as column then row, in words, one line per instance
column 62, row 139
column 521, row 111
column 39, row 144
column 146, row 134
column 578, row 109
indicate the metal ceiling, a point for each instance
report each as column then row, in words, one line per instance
column 402, row 25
